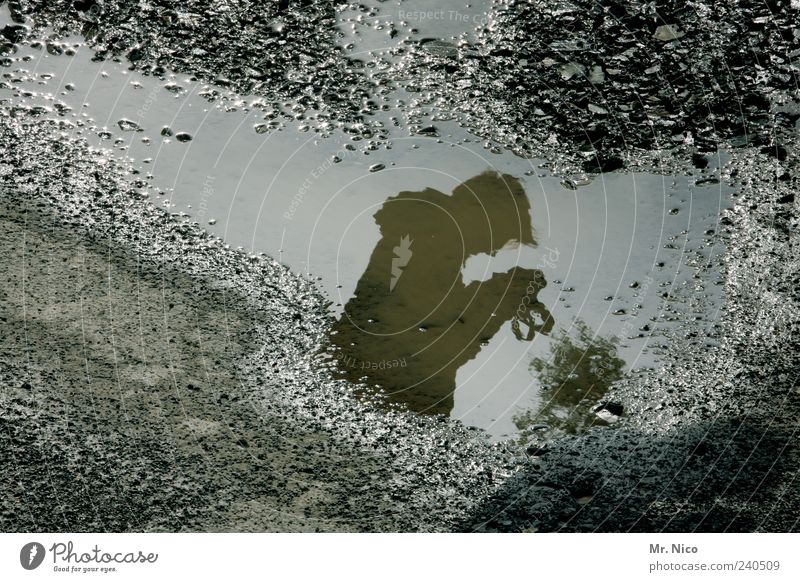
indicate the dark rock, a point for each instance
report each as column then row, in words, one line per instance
column 706, row 181
column 537, row 451
column 699, row 161
column 14, row 32
column 613, row 408
column 776, row 151
column 603, row 163
column 428, row 130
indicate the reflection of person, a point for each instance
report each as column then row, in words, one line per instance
column 412, row 322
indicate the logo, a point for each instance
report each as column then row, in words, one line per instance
column 31, row 555
column 402, row 254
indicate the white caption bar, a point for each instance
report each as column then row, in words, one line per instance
column 402, row 557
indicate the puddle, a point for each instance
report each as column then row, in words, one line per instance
column 413, row 321
column 463, row 279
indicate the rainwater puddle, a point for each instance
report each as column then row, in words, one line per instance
column 463, row 282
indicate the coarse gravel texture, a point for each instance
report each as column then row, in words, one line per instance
column 282, row 50
column 596, row 83
column 151, row 332
column 116, row 307
column 708, row 441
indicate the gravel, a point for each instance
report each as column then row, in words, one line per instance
column 105, row 399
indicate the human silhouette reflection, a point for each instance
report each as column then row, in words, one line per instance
column 412, row 322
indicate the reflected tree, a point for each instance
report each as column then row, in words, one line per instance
column 580, row 369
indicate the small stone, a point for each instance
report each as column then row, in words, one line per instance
column 253, row 73
column 429, row 130
column 14, row 32
column 608, row 411
column 596, row 75
column 128, row 125
column 376, row 167
column 571, row 69
column 183, row 137
column 536, row 451
column 136, row 54
column 699, row 161
column 668, row 32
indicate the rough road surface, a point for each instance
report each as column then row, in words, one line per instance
column 153, row 379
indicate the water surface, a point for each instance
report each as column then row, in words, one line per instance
column 463, row 280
